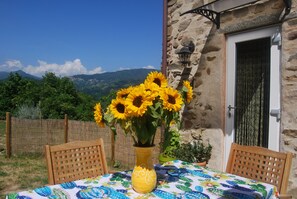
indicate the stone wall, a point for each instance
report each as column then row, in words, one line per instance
column 289, row 92
column 204, row 109
column 207, row 70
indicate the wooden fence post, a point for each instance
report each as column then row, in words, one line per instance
column 8, row 135
column 65, row 128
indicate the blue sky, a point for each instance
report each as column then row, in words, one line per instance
column 71, row 37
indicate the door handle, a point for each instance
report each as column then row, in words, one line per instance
column 229, row 109
column 232, row 107
column 275, row 113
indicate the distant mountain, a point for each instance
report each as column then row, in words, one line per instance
column 99, row 85
column 4, row 75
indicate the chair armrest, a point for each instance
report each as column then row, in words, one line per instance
column 285, row 196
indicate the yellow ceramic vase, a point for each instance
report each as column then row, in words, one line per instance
column 144, row 177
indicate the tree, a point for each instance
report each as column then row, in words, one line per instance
column 85, row 109
column 59, row 97
column 53, row 96
column 16, row 91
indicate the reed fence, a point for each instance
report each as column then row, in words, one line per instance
column 30, row 136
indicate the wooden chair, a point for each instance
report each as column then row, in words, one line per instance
column 75, row 160
column 260, row 164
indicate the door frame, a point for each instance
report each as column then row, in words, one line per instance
column 232, row 39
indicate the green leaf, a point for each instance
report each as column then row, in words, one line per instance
column 126, row 184
column 240, row 181
column 183, row 188
column 186, row 179
column 185, row 89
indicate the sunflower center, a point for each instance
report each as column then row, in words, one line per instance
column 157, row 81
column 124, row 95
column 171, row 99
column 137, row 101
column 120, row 108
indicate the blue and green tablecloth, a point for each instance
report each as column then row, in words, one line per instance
column 176, row 179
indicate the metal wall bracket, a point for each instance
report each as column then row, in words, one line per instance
column 213, row 10
column 209, row 14
column 288, row 4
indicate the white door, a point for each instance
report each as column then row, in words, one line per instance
column 235, row 116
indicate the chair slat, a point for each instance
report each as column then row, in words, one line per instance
column 75, row 160
column 260, row 164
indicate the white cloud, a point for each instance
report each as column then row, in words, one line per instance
column 149, row 67
column 145, row 67
column 11, row 65
column 96, row 71
column 124, row 68
column 68, row 68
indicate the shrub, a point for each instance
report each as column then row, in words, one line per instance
column 195, row 151
column 28, row 112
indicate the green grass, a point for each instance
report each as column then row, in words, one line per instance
column 25, row 172
column 22, row 172
column 3, row 174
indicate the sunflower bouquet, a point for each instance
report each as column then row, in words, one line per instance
column 140, row 110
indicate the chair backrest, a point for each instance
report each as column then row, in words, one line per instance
column 75, row 160
column 261, row 164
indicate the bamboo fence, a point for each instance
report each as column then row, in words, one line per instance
column 30, row 136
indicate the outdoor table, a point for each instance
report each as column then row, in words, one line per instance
column 176, row 179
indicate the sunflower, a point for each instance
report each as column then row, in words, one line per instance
column 144, row 107
column 98, row 115
column 153, row 90
column 123, row 93
column 189, row 91
column 118, row 108
column 157, row 78
column 172, row 100
column 138, row 100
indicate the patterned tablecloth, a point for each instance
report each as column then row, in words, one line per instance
column 176, row 179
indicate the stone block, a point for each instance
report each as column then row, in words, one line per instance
column 184, row 25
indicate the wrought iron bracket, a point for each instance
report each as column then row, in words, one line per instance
column 213, row 10
column 209, row 14
column 288, row 4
